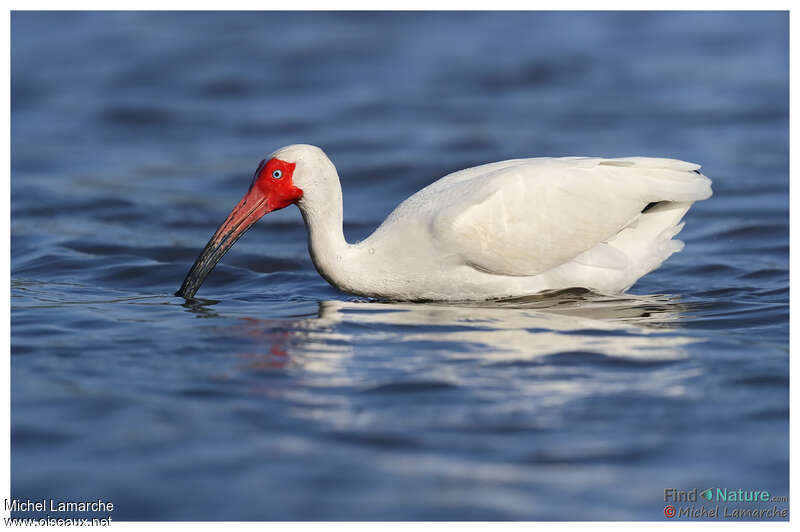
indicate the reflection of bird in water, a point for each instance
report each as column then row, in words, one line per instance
column 631, row 328
column 277, row 357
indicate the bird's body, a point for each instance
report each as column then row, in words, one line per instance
column 504, row 229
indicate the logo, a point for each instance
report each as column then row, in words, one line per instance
column 724, row 503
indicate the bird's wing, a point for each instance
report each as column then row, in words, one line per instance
column 530, row 216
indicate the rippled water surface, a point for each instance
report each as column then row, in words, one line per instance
column 275, row 396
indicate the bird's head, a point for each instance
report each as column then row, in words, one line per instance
column 278, row 182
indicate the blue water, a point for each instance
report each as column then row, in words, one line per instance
column 275, row 396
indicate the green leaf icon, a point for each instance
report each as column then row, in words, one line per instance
column 707, row 494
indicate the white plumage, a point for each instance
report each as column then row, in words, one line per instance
column 510, row 228
column 504, row 229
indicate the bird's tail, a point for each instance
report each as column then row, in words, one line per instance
column 648, row 242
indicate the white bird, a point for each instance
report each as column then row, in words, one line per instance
column 505, row 229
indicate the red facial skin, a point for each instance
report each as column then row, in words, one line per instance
column 279, row 192
column 271, row 189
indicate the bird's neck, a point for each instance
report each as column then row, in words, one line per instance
column 326, row 243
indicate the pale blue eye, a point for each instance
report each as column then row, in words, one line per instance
column 277, row 174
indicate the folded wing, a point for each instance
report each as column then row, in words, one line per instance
column 529, row 216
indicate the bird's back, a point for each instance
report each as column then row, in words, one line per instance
column 659, row 176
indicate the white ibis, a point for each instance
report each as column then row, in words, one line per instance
column 505, row 229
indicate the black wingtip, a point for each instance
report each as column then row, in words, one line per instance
column 650, row 206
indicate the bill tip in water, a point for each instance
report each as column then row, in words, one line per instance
column 186, row 293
